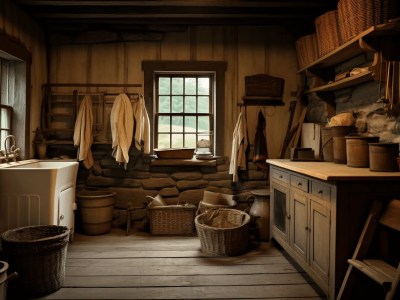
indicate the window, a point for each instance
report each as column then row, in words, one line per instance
column 5, row 123
column 185, row 101
column 184, row 109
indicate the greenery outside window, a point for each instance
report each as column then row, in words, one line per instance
column 184, row 109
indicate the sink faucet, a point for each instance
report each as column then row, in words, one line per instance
column 13, row 151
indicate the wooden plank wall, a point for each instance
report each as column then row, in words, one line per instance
column 248, row 51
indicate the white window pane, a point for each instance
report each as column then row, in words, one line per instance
column 203, row 123
column 177, row 124
column 190, row 124
column 164, row 105
column 164, row 124
column 203, row 86
column 177, row 140
column 163, row 140
column 203, row 104
column 190, row 104
column 190, row 140
column 177, row 104
column 164, row 84
column 190, row 86
column 177, row 86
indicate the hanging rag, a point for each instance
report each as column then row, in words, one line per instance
column 239, row 147
column 260, row 154
column 142, row 125
column 83, row 134
column 121, row 120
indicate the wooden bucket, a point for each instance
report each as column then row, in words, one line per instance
column 383, row 157
column 339, row 143
column 327, row 143
column 357, row 150
column 96, row 211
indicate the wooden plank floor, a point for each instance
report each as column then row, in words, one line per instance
column 140, row 266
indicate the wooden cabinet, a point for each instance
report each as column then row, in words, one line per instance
column 300, row 220
column 318, row 210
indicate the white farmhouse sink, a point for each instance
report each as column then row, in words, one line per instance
column 35, row 192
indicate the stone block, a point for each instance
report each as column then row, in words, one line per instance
column 184, row 185
column 157, row 183
column 186, row 175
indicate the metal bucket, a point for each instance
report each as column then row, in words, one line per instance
column 383, row 157
column 327, row 143
column 357, row 150
column 96, row 211
column 339, row 143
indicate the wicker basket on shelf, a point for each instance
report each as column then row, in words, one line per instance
column 307, row 50
column 355, row 16
column 172, row 219
column 328, row 34
column 38, row 255
column 224, row 231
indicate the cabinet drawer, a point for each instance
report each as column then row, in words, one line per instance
column 280, row 175
column 299, row 182
column 320, row 190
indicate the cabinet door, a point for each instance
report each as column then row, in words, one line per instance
column 299, row 223
column 319, row 238
column 279, row 211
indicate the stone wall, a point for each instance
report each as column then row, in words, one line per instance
column 176, row 183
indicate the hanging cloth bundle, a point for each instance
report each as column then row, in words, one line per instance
column 239, row 147
column 260, row 145
column 83, row 134
column 142, row 126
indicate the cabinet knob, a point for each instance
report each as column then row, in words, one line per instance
column 288, row 217
column 299, row 184
column 307, row 228
column 61, row 217
column 280, row 176
column 320, row 192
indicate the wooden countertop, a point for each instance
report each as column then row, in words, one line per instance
column 331, row 171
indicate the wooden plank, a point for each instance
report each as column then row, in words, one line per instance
column 187, row 280
column 228, row 292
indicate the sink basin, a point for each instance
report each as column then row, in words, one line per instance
column 36, row 192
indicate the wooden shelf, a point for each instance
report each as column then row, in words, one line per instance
column 346, row 82
column 357, row 45
column 261, row 100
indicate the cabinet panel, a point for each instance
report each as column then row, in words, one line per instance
column 299, row 223
column 280, row 211
column 319, row 239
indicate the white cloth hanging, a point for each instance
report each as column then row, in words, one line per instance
column 121, row 119
column 83, row 134
column 142, row 125
column 239, row 146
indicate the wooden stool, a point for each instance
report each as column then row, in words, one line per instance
column 379, row 270
column 129, row 210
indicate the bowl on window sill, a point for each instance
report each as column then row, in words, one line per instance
column 176, row 153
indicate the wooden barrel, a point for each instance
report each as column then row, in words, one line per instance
column 96, row 211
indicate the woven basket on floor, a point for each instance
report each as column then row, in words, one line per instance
column 172, row 219
column 38, row 255
column 307, row 50
column 355, row 16
column 223, row 240
column 328, row 34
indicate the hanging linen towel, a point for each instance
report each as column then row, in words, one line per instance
column 142, row 125
column 121, row 120
column 260, row 145
column 239, row 146
column 83, row 134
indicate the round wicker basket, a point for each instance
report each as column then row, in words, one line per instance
column 38, row 254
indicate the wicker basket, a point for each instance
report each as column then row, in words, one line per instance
column 38, row 255
column 223, row 240
column 172, row 219
column 307, row 50
column 263, row 85
column 355, row 16
column 328, row 34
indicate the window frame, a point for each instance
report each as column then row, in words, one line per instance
column 219, row 68
column 171, row 114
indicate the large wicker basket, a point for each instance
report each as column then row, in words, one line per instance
column 355, row 16
column 38, row 255
column 328, row 34
column 229, row 238
column 307, row 50
column 172, row 219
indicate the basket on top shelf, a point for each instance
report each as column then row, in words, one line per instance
column 355, row 16
column 307, row 50
column 170, row 219
column 328, row 35
column 223, row 231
